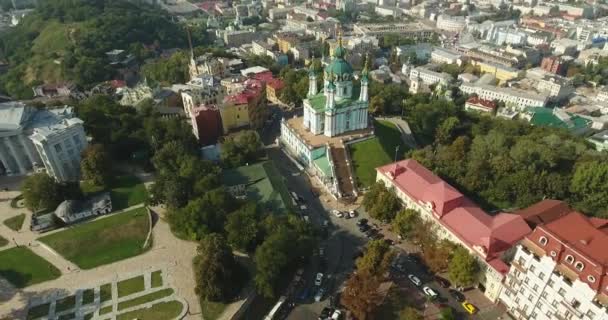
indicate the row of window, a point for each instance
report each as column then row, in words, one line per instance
column 542, row 240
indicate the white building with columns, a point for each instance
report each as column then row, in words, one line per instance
column 38, row 140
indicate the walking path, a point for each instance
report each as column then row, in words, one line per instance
column 167, row 253
column 406, row 133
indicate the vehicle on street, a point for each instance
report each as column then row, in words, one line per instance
column 364, row 228
column 303, row 207
column 471, row 309
column 325, row 313
column 414, row 280
column 337, row 213
column 362, row 222
column 443, row 282
column 319, row 295
column 321, row 251
column 337, row 314
column 306, row 218
column 430, row 292
column 352, row 214
column 325, row 223
column 457, row 295
column 319, row 279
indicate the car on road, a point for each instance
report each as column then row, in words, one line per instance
column 443, row 282
column 362, row 222
column 319, row 295
column 414, row 280
column 337, row 314
column 457, row 295
column 468, row 307
column 352, row 213
column 325, row 223
column 337, row 213
column 325, row 313
column 430, row 292
column 319, row 279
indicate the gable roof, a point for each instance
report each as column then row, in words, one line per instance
column 489, row 235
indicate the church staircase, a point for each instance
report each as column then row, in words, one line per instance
column 338, row 156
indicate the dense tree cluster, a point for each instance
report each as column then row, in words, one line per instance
column 173, row 69
column 504, row 164
column 241, row 148
column 82, row 31
column 40, row 191
column 96, row 165
column 362, row 294
column 381, row 203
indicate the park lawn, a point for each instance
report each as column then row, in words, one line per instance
column 21, row 267
column 372, row 153
column 88, row 296
column 212, row 310
column 38, row 311
column 159, row 311
column 16, row 222
column 105, row 292
column 130, row 286
column 156, row 279
column 106, row 309
column 66, row 303
column 102, row 241
column 145, row 298
column 125, row 191
column 3, row 242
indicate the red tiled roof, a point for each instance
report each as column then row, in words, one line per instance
column 544, row 211
column 482, row 102
column 252, row 89
column 586, row 235
column 117, row 84
column 458, row 214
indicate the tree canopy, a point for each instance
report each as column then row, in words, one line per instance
column 40, row 191
column 381, row 203
column 463, row 268
column 96, row 165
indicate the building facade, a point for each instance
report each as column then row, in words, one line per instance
column 560, row 271
column 248, row 107
column 37, row 140
column 512, row 98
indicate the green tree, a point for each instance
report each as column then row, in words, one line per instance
column 96, row 165
column 244, row 147
column 271, row 257
column 381, row 203
column 377, row 258
column 590, row 187
column 242, row 228
column 409, row 313
column 168, row 71
column 463, row 268
column 447, row 314
column 218, row 275
column 445, row 132
column 40, row 191
column 406, row 222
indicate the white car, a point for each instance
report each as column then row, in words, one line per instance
column 430, row 292
column 337, row 314
column 321, row 251
column 337, row 213
column 352, row 213
column 414, row 280
column 319, row 279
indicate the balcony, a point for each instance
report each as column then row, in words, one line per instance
column 518, row 266
column 572, row 309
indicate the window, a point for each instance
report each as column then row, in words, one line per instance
column 591, row 279
column 533, row 315
column 549, row 314
column 539, row 305
column 517, row 300
column 541, row 276
column 521, row 261
column 544, row 295
column 567, row 315
column 530, row 297
column 542, row 241
column 532, row 268
column 554, row 303
column 590, row 314
column 57, row 147
column 521, row 290
column 535, row 288
column 561, row 292
column 575, row 303
column 550, row 283
column 569, row 259
column 579, row 266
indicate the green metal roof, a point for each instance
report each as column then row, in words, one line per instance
column 544, row 117
column 318, row 101
column 323, row 164
column 339, row 66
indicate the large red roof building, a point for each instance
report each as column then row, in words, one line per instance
column 460, row 219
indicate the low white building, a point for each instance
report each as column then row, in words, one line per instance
column 515, row 98
column 559, row 271
column 70, row 211
column 556, row 87
column 451, row 23
column 440, row 55
column 421, row 77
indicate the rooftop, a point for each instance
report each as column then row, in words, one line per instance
column 489, row 235
column 544, row 212
column 317, row 101
column 297, row 125
column 548, row 117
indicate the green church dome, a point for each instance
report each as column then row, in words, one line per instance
column 339, row 67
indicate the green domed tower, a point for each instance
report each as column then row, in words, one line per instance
column 342, row 73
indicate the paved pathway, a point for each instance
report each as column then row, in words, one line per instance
column 167, row 253
column 406, row 133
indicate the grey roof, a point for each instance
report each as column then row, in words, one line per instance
column 13, row 115
column 68, row 208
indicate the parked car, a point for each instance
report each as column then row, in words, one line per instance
column 362, row 222
column 364, row 228
column 325, row 223
column 471, row 309
column 321, row 251
column 430, row 292
column 414, row 280
column 337, row 213
column 319, row 279
column 326, row 313
column 442, row 282
column 457, row 295
column 337, row 315
column 352, row 213
column 319, row 295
